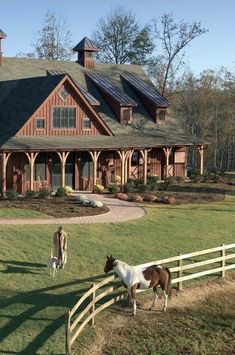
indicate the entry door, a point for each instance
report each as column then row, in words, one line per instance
column 85, row 172
column 56, row 175
column 56, row 171
column 70, row 170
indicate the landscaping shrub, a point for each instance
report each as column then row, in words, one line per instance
column 135, row 198
column 194, row 176
column 96, row 204
column 149, row 198
column 121, row 196
column 44, row 193
column 152, row 182
column 113, row 188
column 164, row 186
column 80, row 198
column 98, row 189
column 61, row 192
column 30, row 194
column 68, row 190
column 12, row 194
column 144, row 188
column 129, row 186
column 168, row 200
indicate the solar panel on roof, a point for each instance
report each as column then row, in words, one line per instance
column 111, row 89
column 146, row 90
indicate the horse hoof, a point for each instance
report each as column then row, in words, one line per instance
column 164, row 309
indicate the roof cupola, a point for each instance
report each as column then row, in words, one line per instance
column 86, row 49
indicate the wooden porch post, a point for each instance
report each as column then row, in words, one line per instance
column 167, row 152
column 63, row 156
column 95, row 156
column 123, row 156
column 144, row 154
column 128, row 165
column 201, row 153
column 5, row 157
column 31, row 157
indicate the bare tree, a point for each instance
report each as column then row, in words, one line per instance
column 53, row 40
column 172, row 38
column 121, row 39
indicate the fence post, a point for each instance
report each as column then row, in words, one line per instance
column 180, row 273
column 92, row 322
column 67, row 334
column 223, row 260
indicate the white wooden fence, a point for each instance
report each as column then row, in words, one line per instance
column 85, row 310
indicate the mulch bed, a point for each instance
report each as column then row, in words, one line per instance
column 55, row 206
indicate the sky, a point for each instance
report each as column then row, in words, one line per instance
column 21, row 19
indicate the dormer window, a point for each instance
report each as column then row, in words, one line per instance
column 40, row 123
column 86, row 123
column 161, row 115
column 126, row 115
column 63, row 93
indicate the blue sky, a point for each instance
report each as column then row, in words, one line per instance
column 21, row 19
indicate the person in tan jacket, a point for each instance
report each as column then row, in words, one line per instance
column 60, row 242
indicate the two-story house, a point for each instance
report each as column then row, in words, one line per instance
column 83, row 123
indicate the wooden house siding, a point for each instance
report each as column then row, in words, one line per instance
column 45, row 111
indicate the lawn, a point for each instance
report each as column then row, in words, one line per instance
column 33, row 304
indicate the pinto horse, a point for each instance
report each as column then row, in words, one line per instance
column 135, row 278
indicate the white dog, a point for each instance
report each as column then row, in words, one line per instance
column 52, row 265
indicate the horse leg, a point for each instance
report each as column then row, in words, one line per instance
column 133, row 298
column 155, row 297
column 165, row 300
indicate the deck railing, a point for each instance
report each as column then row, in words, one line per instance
column 89, row 305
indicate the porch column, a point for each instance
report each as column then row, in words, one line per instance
column 128, row 167
column 144, row 154
column 123, row 155
column 63, row 156
column 31, row 157
column 130, row 159
column 167, row 152
column 201, row 153
column 95, row 156
column 5, row 157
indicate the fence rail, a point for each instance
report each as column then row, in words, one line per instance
column 87, row 306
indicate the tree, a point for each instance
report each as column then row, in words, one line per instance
column 173, row 38
column 53, row 40
column 205, row 107
column 121, row 39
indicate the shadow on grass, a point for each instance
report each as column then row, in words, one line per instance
column 38, row 300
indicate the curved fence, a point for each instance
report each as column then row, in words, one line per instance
column 108, row 291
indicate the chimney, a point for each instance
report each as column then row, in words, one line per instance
column 86, row 49
column 2, row 36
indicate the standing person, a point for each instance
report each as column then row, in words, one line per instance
column 60, row 247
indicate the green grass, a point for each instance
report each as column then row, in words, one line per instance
column 32, row 304
column 20, row 213
column 207, row 328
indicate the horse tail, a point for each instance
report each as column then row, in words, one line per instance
column 169, row 288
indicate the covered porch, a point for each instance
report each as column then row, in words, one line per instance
column 82, row 170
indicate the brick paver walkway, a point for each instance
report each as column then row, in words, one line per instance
column 119, row 211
